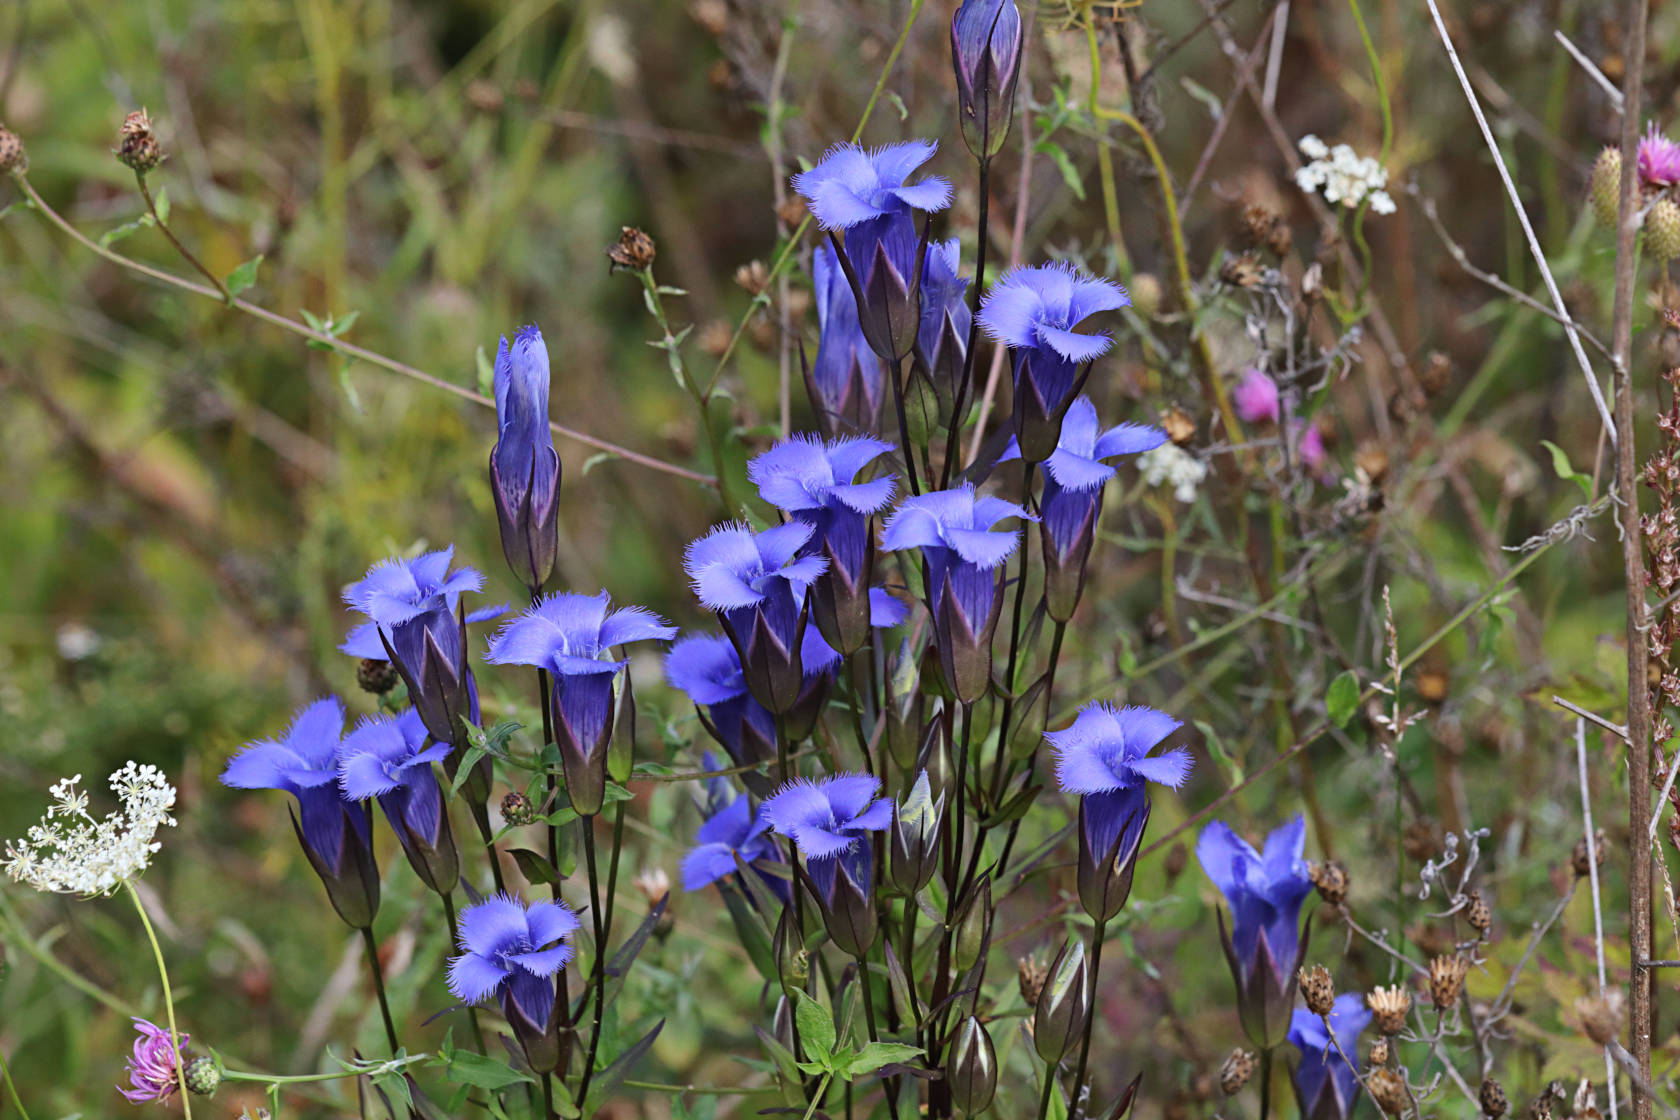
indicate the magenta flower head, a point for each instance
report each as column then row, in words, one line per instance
column 1326, row 1086
column 813, row 481
column 336, row 834
column 986, row 54
column 571, row 636
column 389, row 759
column 757, row 583
column 1104, row 757
column 865, row 195
column 1074, row 477
column 829, row 822
column 942, row 337
column 524, row 469
column 513, row 951
column 847, row 382
column 734, row 830
column 1256, row 398
column 1033, row 311
column 153, row 1066
column 1264, row 946
column 1659, row 159
column 953, row 530
column 414, row 607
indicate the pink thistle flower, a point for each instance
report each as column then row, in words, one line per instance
column 1311, row 446
column 152, row 1067
column 1659, row 159
column 1256, row 398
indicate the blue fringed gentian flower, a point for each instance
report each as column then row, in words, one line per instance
column 389, row 759
column 570, row 636
column 986, row 54
column 865, row 194
column 813, row 482
column 953, row 530
column 524, row 468
column 1074, row 477
column 847, row 381
column 757, row 583
column 733, row 830
column 1104, row 757
column 1033, row 311
column 336, row 834
column 829, row 822
column 514, row 951
column 1263, row 946
column 1326, row 1087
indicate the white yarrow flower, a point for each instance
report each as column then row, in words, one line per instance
column 69, row 852
column 1343, row 177
column 1171, row 465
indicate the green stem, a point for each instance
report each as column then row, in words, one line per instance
column 6, row 1072
column 379, row 987
column 548, row 1095
column 1265, row 1083
column 816, row 1098
column 168, row 999
column 1049, row 1086
column 959, row 398
column 297, row 1079
column 600, row 966
column 1074, row 1107
column 702, row 398
column 151, row 207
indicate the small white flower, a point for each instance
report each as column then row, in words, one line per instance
column 1170, row 465
column 69, row 852
column 1312, row 147
column 1344, row 177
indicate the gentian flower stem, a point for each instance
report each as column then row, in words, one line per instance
column 857, row 719
column 1049, row 1086
column 890, row 1085
column 168, row 1000
column 1027, row 470
column 1074, row 1107
column 455, row 939
column 6, row 1072
column 612, row 864
column 548, row 1095
column 960, row 400
column 898, row 376
column 1265, row 1083
column 599, row 968
column 1032, row 759
column 553, row 792
column 379, row 987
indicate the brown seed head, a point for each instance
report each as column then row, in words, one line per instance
column 1379, row 1052
column 137, row 146
column 1331, row 879
column 654, row 884
column 12, row 155
column 792, row 211
column 1436, row 372
column 1234, row 1074
column 1446, row 977
column 1317, row 989
column 1389, row 1007
column 1492, row 1097
column 753, row 277
column 1032, row 973
column 1578, row 859
column 377, row 677
column 1179, row 425
column 1388, row 1089
column 1601, row 1016
column 714, row 337
column 517, row 809
column 634, row 250
column 1478, row 914
column 1240, row 271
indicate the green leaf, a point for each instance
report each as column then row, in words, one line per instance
column 1342, row 697
column 468, row 1068
column 1564, row 469
column 878, row 1054
column 898, row 103
column 597, row 459
column 816, row 1028
column 468, row 761
column 162, row 204
column 1070, row 173
column 241, row 278
column 486, row 373
column 534, row 867
column 112, row 236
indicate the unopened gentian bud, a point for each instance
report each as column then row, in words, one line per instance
column 524, row 468
column 137, row 147
column 986, row 55
column 793, row 963
column 915, row 837
column 904, row 705
column 1063, row 1003
column 971, row 1071
column 974, row 926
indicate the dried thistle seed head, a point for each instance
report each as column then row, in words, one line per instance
column 1478, row 914
column 1234, row 1074
column 1388, row 1089
column 1446, row 977
column 1586, row 1102
column 1601, row 1016
column 634, row 250
column 377, row 677
column 1493, row 1100
column 517, row 809
column 1436, row 372
column 1331, row 879
column 753, row 277
column 1606, row 188
column 1031, row 972
column 1317, row 989
column 1389, row 1007
column 713, row 338
column 1379, row 1052
column 654, row 884
column 1240, row 271
column 1541, row 1108
column 1578, row 859
column 12, row 155
column 792, row 211
column 1180, row 426
column 137, row 147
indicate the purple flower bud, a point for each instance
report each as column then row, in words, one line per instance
column 152, row 1067
column 1264, row 947
column 1033, row 311
column 971, row 1070
column 915, row 837
column 335, row 833
column 847, row 382
column 986, row 55
column 952, row 529
column 1063, row 1003
column 570, row 636
column 864, row 193
column 389, row 759
column 524, row 469
column 1074, row 476
column 1326, row 1087
column 942, row 337
column 513, row 951
column 756, row 583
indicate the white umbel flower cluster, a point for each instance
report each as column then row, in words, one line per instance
column 1345, row 178
column 71, row 853
column 1171, row 465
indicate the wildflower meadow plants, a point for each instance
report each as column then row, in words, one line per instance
column 941, row 679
